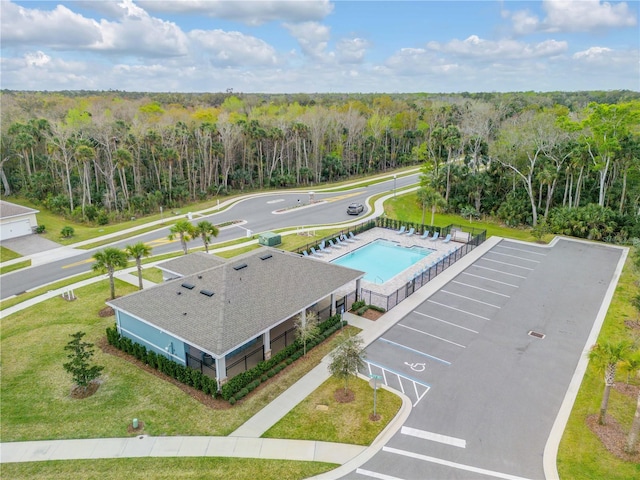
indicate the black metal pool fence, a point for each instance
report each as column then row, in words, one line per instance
column 466, row 237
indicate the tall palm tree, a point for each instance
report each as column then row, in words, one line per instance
column 108, row 260
column 184, row 230
column 137, row 251
column 428, row 197
column 205, row 230
column 606, row 357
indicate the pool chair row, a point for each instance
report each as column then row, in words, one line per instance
column 333, row 243
column 425, row 235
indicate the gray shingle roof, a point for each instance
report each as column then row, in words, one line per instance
column 8, row 210
column 271, row 287
column 192, row 263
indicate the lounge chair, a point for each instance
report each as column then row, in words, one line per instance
column 435, row 236
column 305, row 253
column 401, row 231
column 314, row 252
column 425, row 235
column 333, row 245
column 340, row 243
column 345, row 239
column 411, row 231
column 447, row 239
column 322, row 246
column 352, row 236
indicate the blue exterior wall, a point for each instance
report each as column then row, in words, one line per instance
column 151, row 337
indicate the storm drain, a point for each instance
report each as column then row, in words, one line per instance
column 536, row 334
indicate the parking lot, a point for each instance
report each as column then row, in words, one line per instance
column 487, row 359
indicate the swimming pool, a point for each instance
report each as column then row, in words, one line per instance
column 382, row 260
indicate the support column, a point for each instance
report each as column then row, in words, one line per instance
column 221, row 371
column 303, row 317
column 332, row 310
column 358, row 289
column 266, row 341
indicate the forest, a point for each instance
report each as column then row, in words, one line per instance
column 561, row 162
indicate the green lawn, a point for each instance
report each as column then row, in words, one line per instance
column 6, row 254
column 35, row 400
column 165, row 468
column 341, row 422
column 152, row 274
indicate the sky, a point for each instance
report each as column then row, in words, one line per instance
column 308, row 46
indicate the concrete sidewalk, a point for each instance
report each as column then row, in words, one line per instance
column 146, row 446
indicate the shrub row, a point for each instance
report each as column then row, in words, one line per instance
column 184, row 374
column 240, row 385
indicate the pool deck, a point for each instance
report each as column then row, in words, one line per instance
column 441, row 250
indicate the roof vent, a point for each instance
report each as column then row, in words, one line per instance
column 179, row 293
column 208, row 293
column 189, row 286
column 184, row 313
column 266, row 257
column 240, row 267
column 199, row 277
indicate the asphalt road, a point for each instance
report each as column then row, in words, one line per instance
column 485, row 392
column 258, row 214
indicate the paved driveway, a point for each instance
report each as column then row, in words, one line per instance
column 487, row 360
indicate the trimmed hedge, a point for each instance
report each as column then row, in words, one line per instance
column 238, row 386
column 182, row 373
column 249, row 380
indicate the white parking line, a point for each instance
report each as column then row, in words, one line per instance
column 430, row 335
column 514, row 256
column 434, row 437
column 415, row 351
column 505, row 263
column 380, row 476
column 521, row 250
column 458, row 310
column 444, row 321
column 498, row 271
column 469, row 298
column 491, row 279
column 448, row 463
column 479, row 288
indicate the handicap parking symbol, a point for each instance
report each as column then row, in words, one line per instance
column 416, row 367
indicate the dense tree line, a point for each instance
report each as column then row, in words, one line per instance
column 524, row 157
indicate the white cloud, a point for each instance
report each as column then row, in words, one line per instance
column 312, row 37
column 586, row 15
column 136, row 33
column 59, row 28
column 475, row 47
column 351, row 50
column 234, row 48
column 255, row 12
column 574, row 16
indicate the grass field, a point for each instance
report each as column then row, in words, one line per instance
column 307, row 422
column 6, row 254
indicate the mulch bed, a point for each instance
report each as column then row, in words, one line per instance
column 612, row 436
column 106, row 312
column 80, row 392
column 342, row 396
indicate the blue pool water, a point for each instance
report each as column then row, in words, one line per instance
column 382, row 260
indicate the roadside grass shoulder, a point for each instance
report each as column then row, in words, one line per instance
column 15, row 266
column 184, row 468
